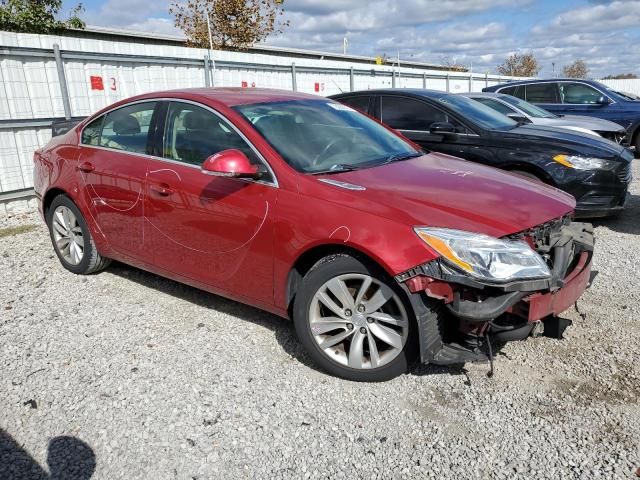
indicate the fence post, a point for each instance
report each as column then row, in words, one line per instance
column 448, row 87
column 294, row 82
column 424, row 80
column 207, row 81
column 470, row 82
column 63, row 82
column 393, row 78
column 351, row 80
column 212, row 71
column 486, row 80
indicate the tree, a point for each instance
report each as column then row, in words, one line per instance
column 520, row 65
column 37, row 16
column 234, row 23
column 577, row 69
column 621, row 76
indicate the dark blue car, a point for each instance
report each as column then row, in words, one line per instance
column 579, row 97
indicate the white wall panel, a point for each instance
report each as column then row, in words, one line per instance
column 626, row 85
column 30, row 89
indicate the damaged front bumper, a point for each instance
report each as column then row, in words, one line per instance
column 476, row 314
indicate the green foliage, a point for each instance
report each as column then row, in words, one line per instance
column 37, row 16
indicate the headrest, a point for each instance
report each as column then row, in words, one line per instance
column 199, row 120
column 126, row 125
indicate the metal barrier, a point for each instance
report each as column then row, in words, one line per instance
column 69, row 94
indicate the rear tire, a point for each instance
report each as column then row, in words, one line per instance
column 368, row 314
column 71, row 238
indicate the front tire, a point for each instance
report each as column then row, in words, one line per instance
column 71, row 238
column 354, row 321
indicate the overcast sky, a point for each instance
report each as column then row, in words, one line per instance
column 481, row 33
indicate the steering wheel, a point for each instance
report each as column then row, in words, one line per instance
column 324, row 154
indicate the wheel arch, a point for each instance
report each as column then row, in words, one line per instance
column 307, row 259
column 50, row 195
column 532, row 169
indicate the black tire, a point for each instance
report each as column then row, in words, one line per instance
column 327, row 269
column 637, row 145
column 92, row 261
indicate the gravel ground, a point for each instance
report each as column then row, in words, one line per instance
column 127, row 375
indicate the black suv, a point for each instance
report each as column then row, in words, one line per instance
column 594, row 170
column 580, row 97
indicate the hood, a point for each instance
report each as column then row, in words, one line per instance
column 438, row 190
column 591, row 123
column 563, row 138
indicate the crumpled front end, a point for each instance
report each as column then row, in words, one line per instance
column 478, row 314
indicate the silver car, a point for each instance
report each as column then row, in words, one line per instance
column 526, row 112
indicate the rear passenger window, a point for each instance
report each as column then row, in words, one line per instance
column 359, row 103
column 517, row 91
column 542, row 93
column 127, row 128
column 193, row 134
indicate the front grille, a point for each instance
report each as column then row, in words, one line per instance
column 540, row 235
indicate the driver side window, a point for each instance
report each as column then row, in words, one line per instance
column 192, row 134
column 409, row 114
column 579, row 93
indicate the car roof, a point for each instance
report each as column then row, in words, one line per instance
column 537, row 80
column 484, row 94
column 229, row 96
column 412, row 92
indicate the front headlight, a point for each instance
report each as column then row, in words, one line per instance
column 485, row 258
column 585, row 163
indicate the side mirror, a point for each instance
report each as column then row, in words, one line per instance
column 230, row 163
column 603, row 100
column 442, row 128
column 518, row 117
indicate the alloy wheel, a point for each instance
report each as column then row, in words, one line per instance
column 67, row 235
column 358, row 321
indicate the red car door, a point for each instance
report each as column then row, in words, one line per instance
column 214, row 230
column 112, row 168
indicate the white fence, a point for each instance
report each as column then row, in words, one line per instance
column 43, row 77
column 629, row 85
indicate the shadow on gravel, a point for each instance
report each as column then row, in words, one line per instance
column 283, row 329
column 67, row 458
column 624, row 222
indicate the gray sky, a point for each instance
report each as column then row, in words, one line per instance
column 606, row 34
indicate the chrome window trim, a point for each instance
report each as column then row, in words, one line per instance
column 561, row 81
column 261, row 158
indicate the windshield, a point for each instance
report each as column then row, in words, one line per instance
column 476, row 112
column 322, row 136
column 625, row 95
column 527, row 107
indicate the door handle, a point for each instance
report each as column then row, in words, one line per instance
column 86, row 167
column 161, row 189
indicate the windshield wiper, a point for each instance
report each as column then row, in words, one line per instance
column 337, row 168
column 402, row 156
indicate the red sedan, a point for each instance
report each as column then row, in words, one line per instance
column 380, row 253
